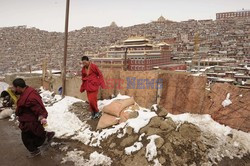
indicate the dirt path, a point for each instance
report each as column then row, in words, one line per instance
column 13, row 152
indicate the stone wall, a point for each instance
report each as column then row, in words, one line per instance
column 180, row 93
column 72, row 86
column 137, row 84
column 235, row 115
column 116, row 82
column 183, row 93
column 33, row 80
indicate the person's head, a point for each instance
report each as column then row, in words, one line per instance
column 85, row 61
column 4, row 94
column 19, row 85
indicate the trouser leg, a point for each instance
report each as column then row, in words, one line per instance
column 34, row 136
column 92, row 98
column 28, row 139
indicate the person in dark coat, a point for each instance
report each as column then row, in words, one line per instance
column 31, row 116
column 92, row 79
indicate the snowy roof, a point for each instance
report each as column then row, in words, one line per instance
column 40, row 71
column 104, row 58
column 163, row 44
column 134, row 45
column 133, row 39
column 221, row 79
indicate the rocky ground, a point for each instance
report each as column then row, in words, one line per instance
column 175, row 144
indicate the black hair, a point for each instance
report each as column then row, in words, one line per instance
column 4, row 93
column 85, row 58
column 19, row 82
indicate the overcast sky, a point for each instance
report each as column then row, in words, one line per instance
column 50, row 14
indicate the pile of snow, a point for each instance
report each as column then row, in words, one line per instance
column 60, row 120
column 63, row 122
column 227, row 101
column 218, row 136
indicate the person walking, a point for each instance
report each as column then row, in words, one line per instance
column 32, row 117
column 92, row 79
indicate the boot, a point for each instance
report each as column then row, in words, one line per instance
column 34, row 153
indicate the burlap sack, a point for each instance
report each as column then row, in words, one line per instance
column 127, row 102
column 7, row 112
column 117, row 106
column 107, row 120
column 127, row 114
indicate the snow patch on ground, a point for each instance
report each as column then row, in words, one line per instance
column 155, row 107
column 95, row 158
column 141, row 136
column 151, row 150
column 94, row 138
column 12, row 117
column 157, row 163
column 60, row 120
column 135, row 147
column 99, row 136
column 142, row 120
column 217, row 136
column 227, row 101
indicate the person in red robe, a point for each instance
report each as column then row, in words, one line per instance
column 92, row 79
column 32, row 117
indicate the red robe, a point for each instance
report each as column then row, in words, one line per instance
column 29, row 108
column 91, row 81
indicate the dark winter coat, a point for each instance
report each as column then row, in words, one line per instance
column 29, row 108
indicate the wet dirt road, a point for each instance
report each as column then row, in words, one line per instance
column 13, row 152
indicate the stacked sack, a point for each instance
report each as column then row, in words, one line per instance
column 6, row 113
column 117, row 112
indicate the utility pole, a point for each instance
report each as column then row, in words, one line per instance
column 126, row 59
column 197, row 42
column 65, row 49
